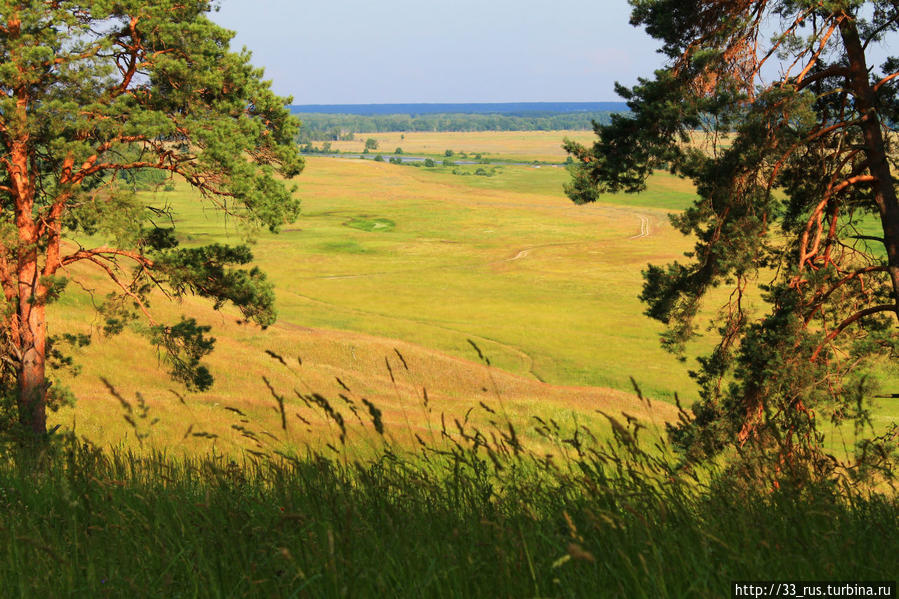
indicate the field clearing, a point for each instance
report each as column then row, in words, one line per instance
column 547, row 288
column 526, row 146
column 518, row 272
column 412, row 392
column 393, row 264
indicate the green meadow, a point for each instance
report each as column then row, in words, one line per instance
column 394, row 260
column 424, row 261
column 548, row 289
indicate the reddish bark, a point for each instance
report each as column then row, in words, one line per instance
column 32, row 380
column 875, row 151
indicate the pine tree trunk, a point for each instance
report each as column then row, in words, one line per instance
column 32, row 341
column 884, row 188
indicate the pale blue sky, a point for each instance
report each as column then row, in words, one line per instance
column 354, row 51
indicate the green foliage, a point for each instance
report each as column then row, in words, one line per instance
column 206, row 271
column 371, row 143
column 379, row 158
column 785, row 172
column 183, row 345
column 318, row 127
column 429, row 162
column 107, row 99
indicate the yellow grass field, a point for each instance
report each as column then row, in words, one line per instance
column 527, row 146
column 390, row 264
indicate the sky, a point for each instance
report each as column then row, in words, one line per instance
column 395, row 51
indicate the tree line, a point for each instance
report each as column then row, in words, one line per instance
column 335, row 127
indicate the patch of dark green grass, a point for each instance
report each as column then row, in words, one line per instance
column 344, row 247
column 371, row 225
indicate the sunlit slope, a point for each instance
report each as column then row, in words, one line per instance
column 547, row 288
column 421, row 260
column 388, row 257
column 417, row 389
column 510, row 145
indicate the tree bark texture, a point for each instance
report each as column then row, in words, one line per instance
column 883, row 186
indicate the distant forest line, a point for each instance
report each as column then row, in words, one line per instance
column 322, row 126
column 512, row 108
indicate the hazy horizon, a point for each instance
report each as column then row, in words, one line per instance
column 508, row 108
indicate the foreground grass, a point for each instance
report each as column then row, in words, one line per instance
column 82, row 523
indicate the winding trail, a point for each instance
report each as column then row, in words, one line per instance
column 644, row 228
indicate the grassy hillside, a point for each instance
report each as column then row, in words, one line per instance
column 419, row 260
column 427, row 418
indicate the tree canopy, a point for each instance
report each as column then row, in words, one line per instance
column 333, row 127
column 97, row 95
column 777, row 112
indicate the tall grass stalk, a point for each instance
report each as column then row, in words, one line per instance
column 473, row 514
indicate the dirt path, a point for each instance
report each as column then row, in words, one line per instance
column 644, row 228
column 645, row 231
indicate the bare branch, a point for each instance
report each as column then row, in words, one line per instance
column 104, row 252
column 858, row 315
column 125, row 288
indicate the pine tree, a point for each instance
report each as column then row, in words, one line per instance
column 774, row 111
column 97, row 96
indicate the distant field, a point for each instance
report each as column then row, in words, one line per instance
column 526, row 146
column 419, row 260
